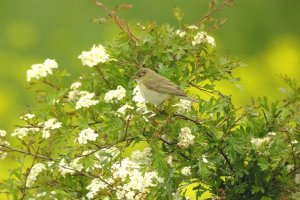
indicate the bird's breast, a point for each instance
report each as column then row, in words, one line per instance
column 152, row 96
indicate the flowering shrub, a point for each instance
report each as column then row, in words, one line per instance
column 97, row 138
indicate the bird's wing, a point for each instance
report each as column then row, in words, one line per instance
column 163, row 85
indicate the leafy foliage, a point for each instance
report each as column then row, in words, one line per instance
column 251, row 152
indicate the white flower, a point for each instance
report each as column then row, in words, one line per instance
column 96, row 55
column 85, row 100
column 38, row 71
column 75, row 85
column 204, row 159
column 123, row 168
column 202, row 37
column 52, row 124
column 3, row 155
column 49, row 125
column 22, row 132
column 132, row 177
column 34, row 172
column 123, row 109
column 105, row 155
column 176, row 195
column 95, row 186
column 2, row 133
column 27, row 116
column 115, row 95
column 65, row 168
column 87, row 135
column 180, row 33
column 137, row 96
column 141, row 104
column 271, row 134
column 183, row 105
column 294, row 142
column 259, row 141
column 193, row 27
column 185, row 137
column 74, row 94
column 170, row 160
column 142, row 157
column 186, row 171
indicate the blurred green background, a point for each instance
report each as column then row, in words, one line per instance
column 264, row 34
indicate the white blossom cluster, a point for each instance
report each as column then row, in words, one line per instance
column 186, row 171
column 50, row 124
column 24, row 131
column 141, row 104
column 96, row 55
column 105, row 156
column 65, row 168
column 139, row 99
column 85, row 100
column 142, row 157
column 96, row 185
column 115, row 95
column 87, row 135
column 183, row 106
column 130, row 178
column 193, row 26
column 44, row 127
column 27, row 116
column 257, row 142
column 38, row 71
column 3, row 142
column 177, row 195
column 180, row 33
column 203, row 37
column 34, row 172
column 74, row 92
column 2, row 133
column 185, row 138
column 261, row 145
column 124, row 109
column 45, row 195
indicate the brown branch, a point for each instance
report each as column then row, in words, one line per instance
column 24, row 152
column 23, row 190
column 118, row 21
column 48, row 158
column 210, row 136
column 211, row 12
column 102, row 76
column 169, row 143
column 50, row 84
column 126, row 127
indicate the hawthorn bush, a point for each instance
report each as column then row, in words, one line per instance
column 97, row 138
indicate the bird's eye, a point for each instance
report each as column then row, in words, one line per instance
column 140, row 75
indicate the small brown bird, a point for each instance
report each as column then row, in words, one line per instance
column 156, row 89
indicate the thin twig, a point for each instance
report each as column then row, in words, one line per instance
column 118, row 21
column 50, row 84
column 102, row 76
column 126, row 127
column 24, row 152
column 213, row 11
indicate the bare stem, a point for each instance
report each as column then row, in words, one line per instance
column 121, row 23
column 211, row 12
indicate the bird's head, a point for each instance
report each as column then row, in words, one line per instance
column 140, row 74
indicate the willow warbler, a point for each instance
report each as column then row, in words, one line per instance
column 156, row 89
